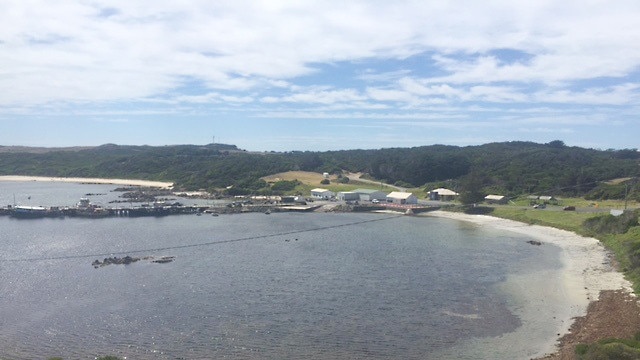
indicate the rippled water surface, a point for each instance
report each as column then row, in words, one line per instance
column 252, row 286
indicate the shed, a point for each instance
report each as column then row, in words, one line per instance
column 400, row 197
column 322, row 194
column 348, row 196
column 495, row 199
column 548, row 199
column 442, row 194
column 369, row 194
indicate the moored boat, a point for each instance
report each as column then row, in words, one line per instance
column 33, row 212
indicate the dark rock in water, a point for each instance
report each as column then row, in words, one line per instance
column 534, row 242
column 164, row 260
column 115, row 261
column 129, row 260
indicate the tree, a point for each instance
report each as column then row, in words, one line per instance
column 471, row 189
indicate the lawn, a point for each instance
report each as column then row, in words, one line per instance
column 311, row 180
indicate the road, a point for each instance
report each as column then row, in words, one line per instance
column 356, row 176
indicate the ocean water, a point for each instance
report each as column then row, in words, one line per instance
column 255, row 286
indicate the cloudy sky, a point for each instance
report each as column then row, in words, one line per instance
column 319, row 75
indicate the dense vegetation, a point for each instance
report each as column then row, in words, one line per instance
column 509, row 168
column 610, row 349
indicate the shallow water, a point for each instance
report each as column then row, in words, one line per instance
column 251, row 286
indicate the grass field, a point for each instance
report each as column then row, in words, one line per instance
column 311, row 180
column 566, row 220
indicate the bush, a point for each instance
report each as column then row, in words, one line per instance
column 612, row 349
column 284, row 185
column 609, row 224
column 325, row 182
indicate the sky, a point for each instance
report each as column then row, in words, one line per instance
column 319, row 75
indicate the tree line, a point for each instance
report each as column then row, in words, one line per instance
column 508, row 168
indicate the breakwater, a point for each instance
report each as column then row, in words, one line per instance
column 35, row 212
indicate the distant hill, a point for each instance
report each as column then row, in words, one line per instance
column 39, row 150
column 509, row 168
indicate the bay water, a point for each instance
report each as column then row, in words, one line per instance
column 256, row 286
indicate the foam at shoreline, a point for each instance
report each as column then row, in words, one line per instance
column 586, row 271
column 158, row 184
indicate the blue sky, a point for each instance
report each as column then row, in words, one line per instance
column 319, row 75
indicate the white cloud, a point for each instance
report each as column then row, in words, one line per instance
column 213, row 97
column 240, row 51
column 317, row 96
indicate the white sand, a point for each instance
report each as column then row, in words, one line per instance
column 547, row 301
column 158, row 184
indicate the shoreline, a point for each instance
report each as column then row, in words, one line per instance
column 146, row 183
column 598, row 293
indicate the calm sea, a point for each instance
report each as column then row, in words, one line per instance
column 256, row 286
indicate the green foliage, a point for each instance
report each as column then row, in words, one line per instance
column 617, row 191
column 609, row 224
column 282, row 186
column 510, row 168
column 471, row 189
column 609, row 349
column 325, row 182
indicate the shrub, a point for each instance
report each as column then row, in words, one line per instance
column 609, row 224
column 284, row 185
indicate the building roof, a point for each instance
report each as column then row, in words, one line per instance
column 365, row 191
column 494, row 197
column 399, row 195
column 319, row 190
column 444, row 192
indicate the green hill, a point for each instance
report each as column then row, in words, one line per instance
column 509, row 168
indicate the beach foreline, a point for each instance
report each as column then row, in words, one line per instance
column 132, row 182
column 585, row 270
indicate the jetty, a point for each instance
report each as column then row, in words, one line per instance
column 85, row 209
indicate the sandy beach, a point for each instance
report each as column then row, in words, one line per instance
column 146, row 183
column 601, row 300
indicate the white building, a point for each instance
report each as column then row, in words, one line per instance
column 495, row 199
column 369, row 195
column 322, row 194
column 442, row 194
column 400, row 197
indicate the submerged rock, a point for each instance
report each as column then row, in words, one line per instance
column 129, row 260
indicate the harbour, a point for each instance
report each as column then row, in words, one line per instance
column 321, row 285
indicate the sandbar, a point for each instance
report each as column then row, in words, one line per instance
column 132, row 182
column 587, row 272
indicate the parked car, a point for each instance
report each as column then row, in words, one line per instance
column 569, row 208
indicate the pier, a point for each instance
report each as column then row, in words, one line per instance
column 90, row 211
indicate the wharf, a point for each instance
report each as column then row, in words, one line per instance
column 139, row 211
